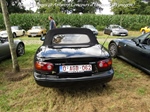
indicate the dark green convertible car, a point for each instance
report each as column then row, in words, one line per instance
column 135, row 50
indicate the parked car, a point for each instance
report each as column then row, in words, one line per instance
column 5, row 51
column 133, row 50
column 71, row 55
column 66, row 26
column 115, row 30
column 92, row 28
column 36, row 31
column 145, row 29
column 16, row 31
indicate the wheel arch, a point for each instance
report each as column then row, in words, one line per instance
column 17, row 42
column 116, row 42
column 17, row 48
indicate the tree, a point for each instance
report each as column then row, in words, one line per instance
column 15, row 6
column 73, row 6
column 15, row 64
column 130, row 7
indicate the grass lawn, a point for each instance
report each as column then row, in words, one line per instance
column 129, row 91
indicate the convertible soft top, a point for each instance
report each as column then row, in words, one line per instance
column 51, row 33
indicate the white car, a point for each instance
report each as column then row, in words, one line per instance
column 16, row 31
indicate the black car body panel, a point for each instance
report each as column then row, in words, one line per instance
column 71, row 62
column 134, row 50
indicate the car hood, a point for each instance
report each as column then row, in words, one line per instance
column 34, row 30
column 3, row 34
column 94, row 51
column 119, row 30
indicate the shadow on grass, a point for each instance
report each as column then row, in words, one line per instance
column 79, row 89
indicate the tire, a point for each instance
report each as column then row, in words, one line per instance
column 23, row 33
column 20, row 50
column 111, row 34
column 148, row 42
column 14, row 35
column 42, row 34
column 113, row 50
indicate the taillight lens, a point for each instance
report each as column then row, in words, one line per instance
column 45, row 66
column 104, row 63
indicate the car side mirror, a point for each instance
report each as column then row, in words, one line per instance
column 42, row 38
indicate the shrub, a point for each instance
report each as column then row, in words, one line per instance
column 132, row 22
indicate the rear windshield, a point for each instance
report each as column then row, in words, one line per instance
column 71, row 39
column 14, row 28
column 36, row 27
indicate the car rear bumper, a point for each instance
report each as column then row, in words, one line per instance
column 45, row 80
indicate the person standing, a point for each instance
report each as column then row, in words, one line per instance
column 52, row 23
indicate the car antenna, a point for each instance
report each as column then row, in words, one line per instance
column 104, row 42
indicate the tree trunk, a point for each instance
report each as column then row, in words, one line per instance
column 15, row 64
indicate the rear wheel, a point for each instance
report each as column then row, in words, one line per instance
column 14, row 35
column 148, row 41
column 23, row 34
column 42, row 34
column 113, row 50
column 143, row 31
column 111, row 34
column 20, row 49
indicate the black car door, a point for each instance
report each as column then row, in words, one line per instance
column 137, row 53
column 143, row 54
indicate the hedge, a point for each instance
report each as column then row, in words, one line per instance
column 27, row 20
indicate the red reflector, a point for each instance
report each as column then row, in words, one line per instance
column 44, row 66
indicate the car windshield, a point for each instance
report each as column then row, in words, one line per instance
column 63, row 26
column 36, row 27
column 14, row 28
column 116, row 26
column 90, row 26
column 141, row 38
column 71, row 39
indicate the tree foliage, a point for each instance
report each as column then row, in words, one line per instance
column 15, row 6
column 130, row 7
column 68, row 6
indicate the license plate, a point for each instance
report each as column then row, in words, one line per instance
column 75, row 68
column 123, row 34
column 33, row 35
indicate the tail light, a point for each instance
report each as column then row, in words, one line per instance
column 45, row 66
column 104, row 63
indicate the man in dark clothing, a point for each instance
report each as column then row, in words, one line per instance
column 52, row 23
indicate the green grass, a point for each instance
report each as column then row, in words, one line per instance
column 127, row 92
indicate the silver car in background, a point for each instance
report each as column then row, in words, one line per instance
column 5, row 50
column 115, row 30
